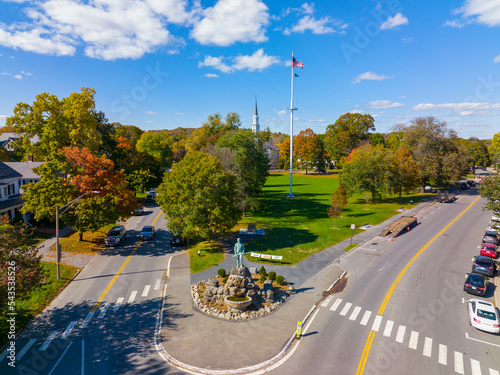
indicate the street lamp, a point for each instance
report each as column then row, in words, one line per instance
column 58, row 247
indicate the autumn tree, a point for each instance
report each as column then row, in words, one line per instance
column 339, row 201
column 57, row 123
column 346, row 134
column 199, row 197
column 78, row 174
column 404, row 175
column 284, row 153
column 494, row 149
column 367, row 168
column 307, row 149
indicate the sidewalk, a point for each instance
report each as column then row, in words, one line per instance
column 202, row 342
column 72, row 259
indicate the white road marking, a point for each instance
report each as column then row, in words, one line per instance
column 413, row 340
column 388, row 328
column 104, row 310
column 366, row 317
column 484, row 342
column 493, row 372
column 158, row 284
column 83, row 357
column 68, row 330
column 355, row 313
column 119, row 302
column 427, row 347
column 443, row 354
column 25, row 349
column 59, row 360
column 324, row 304
column 89, row 317
column 132, row 296
column 47, row 342
column 376, row 323
column 4, row 354
column 346, row 308
column 459, row 362
column 146, row 291
column 336, row 304
column 475, row 367
column 400, row 335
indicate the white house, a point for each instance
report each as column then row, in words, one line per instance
column 13, row 175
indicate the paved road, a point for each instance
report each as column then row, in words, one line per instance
column 424, row 324
column 74, row 335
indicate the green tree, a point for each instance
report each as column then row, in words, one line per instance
column 433, row 147
column 346, row 134
column 198, row 197
column 131, row 132
column 479, row 153
column 71, row 121
column 490, row 189
column 251, row 165
column 367, row 168
column 307, row 149
column 19, row 255
column 494, row 149
column 213, row 129
column 403, row 171
column 159, row 145
column 376, row 139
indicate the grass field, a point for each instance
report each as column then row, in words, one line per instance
column 298, row 227
column 211, row 254
column 34, row 303
column 91, row 242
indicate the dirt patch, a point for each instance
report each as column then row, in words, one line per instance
column 337, row 288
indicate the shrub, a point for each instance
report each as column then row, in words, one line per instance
column 271, row 275
column 221, row 272
column 262, row 271
column 225, row 279
column 280, row 279
column 262, row 279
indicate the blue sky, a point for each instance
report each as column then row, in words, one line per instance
column 160, row 64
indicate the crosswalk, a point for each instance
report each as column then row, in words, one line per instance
column 404, row 336
column 83, row 323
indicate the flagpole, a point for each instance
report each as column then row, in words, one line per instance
column 291, row 109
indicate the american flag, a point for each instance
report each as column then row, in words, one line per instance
column 296, row 63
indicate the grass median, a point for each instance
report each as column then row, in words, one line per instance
column 211, row 254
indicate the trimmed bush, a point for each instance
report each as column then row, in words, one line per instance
column 262, row 279
column 225, row 279
column 262, row 271
column 221, row 272
column 271, row 275
column 280, row 279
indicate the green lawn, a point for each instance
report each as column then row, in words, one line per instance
column 34, row 303
column 91, row 242
column 299, row 227
column 211, row 254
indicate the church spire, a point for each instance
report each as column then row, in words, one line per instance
column 255, row 124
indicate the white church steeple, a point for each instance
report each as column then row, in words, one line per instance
column 255, row 124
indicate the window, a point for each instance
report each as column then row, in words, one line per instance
column 12, row 189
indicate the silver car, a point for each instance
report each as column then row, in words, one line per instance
column 116, row 236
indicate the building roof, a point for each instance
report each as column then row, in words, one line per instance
column 270, row 146
column 25, row 168
column 7, row 172
column 15, row 136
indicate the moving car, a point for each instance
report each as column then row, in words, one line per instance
column 484, row 265
column 147, row 233
column 139, row 210
column 178, row 241
column 116, row 235
column 483, row 315
column 476, row 284
column 150, row 197
column 489, row 250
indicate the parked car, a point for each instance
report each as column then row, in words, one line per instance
column 150, row 198
column 476, row 284
column 489, row 239
column 147, row 233
column 471, row 183
column 139, row 210
column 178, row 241
column 483, row 315
column 495, row 217
column 484, row 265
column 464, row 186
column 489, row 250
column 116, row 236
column 491, row 233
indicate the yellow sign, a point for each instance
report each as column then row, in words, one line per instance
column 299, row 329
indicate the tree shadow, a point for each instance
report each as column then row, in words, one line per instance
column 280, row 238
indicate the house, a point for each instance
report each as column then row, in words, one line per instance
column 273, row 152
column 8, row 139
column 13, row 175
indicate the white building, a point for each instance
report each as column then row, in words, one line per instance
column 255, row 124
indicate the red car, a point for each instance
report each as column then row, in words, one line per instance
column 489, row 250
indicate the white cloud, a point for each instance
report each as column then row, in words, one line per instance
column 393, row 22
column 37, row 40
column 307, row 8
column 382, row 104
column 316, row 26
column 466, row 113
column 211, row 75
column 151, row 113
column 257, row 61
column 317, row 120
column 457, row 107
column 369, row 76
column 497, row 59
column 282, row 112
column 231, row 21
column 486, row 12
column 179, row 113
column 355, row 111
column 18, row 76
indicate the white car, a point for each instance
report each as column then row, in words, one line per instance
column 483, row 315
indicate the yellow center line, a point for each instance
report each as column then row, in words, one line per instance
column 369, row 340
column 120, row 271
